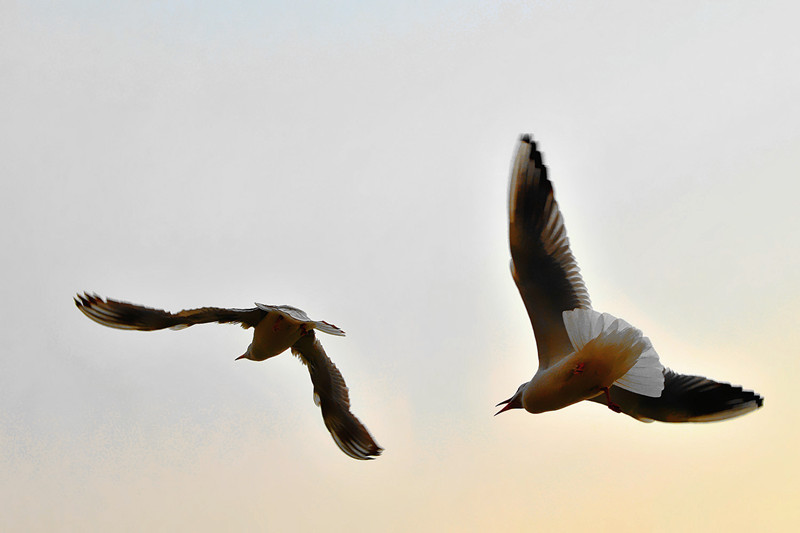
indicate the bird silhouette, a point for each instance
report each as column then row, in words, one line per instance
column 275, row 329
column 584, row 354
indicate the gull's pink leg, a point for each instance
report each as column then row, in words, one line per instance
column 611, row 405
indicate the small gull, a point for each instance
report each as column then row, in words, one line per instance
column 275, row 329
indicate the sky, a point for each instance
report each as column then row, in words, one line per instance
column 352, row 159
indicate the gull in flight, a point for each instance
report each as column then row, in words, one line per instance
column 584, row 354
column 275, row 328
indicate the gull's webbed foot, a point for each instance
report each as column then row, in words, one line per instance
column 611, row 405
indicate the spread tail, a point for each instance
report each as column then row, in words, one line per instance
column 638, row 362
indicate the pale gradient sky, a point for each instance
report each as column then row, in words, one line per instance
column 353, row 161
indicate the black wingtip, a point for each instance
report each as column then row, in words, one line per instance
column 688, row 398
column 83, row 300
column 535, row 155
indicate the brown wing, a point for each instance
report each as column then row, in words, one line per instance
column 330, row 393
column 123, row 315
column 544, row 269
column 686, row 399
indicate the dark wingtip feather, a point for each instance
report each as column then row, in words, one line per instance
column 704, row 399
column 688, row 398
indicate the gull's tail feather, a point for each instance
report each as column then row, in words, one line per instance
column 646, row 377
column 635, row 360
column 582, row 326
column 301, row 316
column 328, row 328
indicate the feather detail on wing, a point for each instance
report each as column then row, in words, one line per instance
column 292, row 312
column 123, row 315
column 328, row 328
column 300, row 316
column 638, row 362
column 543, row 267
column 687, row 398
column 330, row 393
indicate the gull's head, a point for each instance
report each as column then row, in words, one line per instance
column 515, row 402
column 248, row 354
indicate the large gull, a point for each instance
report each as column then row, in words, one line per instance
column 585, row 354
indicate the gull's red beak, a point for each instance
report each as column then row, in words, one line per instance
column 508, row 405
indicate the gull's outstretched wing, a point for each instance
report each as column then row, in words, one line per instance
column 123, row 315
column 330, row 393
column 544, row 269
column 687, row 399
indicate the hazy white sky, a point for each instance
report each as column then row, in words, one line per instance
column 352, row 160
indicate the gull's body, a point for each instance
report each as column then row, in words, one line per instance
column 583, row 354
column 280, row 328
column 276, row 328
column 584, row 374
